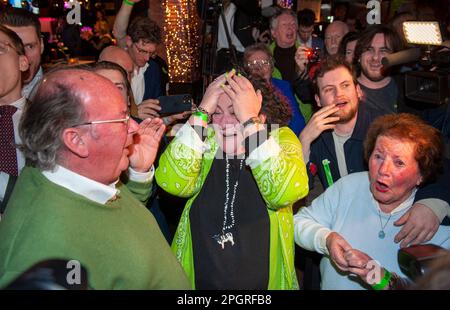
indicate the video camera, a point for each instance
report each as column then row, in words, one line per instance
column 431, row 84
column 417, row 260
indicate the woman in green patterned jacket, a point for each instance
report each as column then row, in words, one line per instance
column 241, row 178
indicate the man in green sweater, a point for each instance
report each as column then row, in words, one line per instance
column 69, row 203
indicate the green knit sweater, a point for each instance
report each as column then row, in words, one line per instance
column 119, row 243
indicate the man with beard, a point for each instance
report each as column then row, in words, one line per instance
column 381, row 90
column 28, row 28
column 332, row 144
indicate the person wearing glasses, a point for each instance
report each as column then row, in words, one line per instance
column 258, row 62
column 70, row 202
column 13, row 63
column 28, row 28
column 332, row 144
column 140, row 38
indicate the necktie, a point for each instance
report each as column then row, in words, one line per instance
column 8, row 157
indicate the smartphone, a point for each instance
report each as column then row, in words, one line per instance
column 175, row 104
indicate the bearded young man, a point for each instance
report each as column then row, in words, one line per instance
column 382, row 90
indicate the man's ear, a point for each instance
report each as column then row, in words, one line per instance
column 73, row 140
column 359, row 92
column 318, row 101
column 272, row 34
column 42, row 44
column 263, row 118
column 129, row 41
column 419, row 181
column 23, row 63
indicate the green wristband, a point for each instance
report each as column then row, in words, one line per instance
column 202, row 115
column 326, row 167
column 128, row 2
column 384, row 282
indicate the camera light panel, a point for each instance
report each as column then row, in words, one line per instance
column 422, row 33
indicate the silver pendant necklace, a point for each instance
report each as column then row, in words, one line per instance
column 227, row 235
column 381, row 233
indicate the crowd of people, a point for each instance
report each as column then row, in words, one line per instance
column 308, row 149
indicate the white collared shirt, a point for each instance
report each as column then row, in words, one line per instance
column 88, row 188
column 28, row 88
column 138, row 83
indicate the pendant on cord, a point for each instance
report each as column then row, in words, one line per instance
column 228, row 221
column 224, row 238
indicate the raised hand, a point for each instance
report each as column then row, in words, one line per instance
column 212, row 93
column 246, row 101
column 319, row 122
column 170, row 119
column 149, row 109
column 301, row 58
column 145, row 146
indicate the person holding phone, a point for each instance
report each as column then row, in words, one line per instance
column 241, row 179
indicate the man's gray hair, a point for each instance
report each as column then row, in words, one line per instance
column 278, row 13
column 54, row 107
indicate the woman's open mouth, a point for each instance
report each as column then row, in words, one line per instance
column 381, row 187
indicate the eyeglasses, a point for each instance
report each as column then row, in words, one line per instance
column 125, row 121
column 144, row 52
column 259, row 64
column 5, row 47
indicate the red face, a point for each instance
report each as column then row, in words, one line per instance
column 393, row 171
column 109, row 142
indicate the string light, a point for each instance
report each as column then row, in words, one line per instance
column 182, row 39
